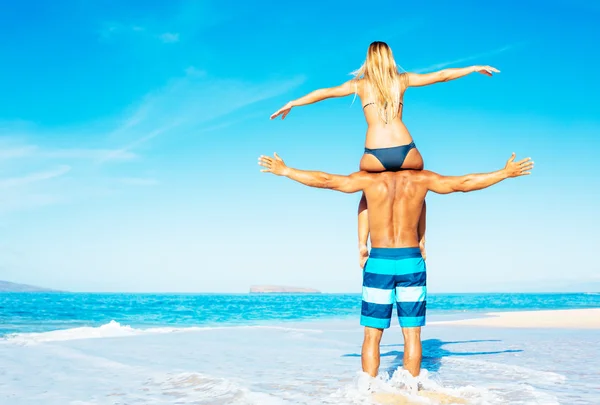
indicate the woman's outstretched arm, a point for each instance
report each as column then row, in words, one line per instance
column 445, row 75
column 344, row 89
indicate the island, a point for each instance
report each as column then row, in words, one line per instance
column 278, row 289
column 7, row 286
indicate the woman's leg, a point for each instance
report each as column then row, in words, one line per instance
column 414, row 160
column 421, row 230
column 363, row 231
column 368, row 163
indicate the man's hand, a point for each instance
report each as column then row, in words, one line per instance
column 520, row 168
column 273, row 165
column 363, row 255
column 422, row 248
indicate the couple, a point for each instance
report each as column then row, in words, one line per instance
column 392, row 208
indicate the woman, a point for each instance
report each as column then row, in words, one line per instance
column 388, row 146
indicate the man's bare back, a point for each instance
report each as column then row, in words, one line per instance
column 395, row 201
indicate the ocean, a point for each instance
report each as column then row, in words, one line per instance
column 62, row 348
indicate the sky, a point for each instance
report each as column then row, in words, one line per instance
column 130, row 131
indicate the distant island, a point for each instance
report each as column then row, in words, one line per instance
column 6, row 286
column 277, row 289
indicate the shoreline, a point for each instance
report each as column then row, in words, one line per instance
column 582, row 319
column 588, row 318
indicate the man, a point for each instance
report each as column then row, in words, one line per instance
column 395, row 270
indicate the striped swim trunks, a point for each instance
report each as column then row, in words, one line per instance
column 394, row 275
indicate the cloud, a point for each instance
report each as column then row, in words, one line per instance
column 465, row 59
column 125, row 150
column 26, row 201
column 17, row 152
column 12, row 148
column 34, row 177
column 113, row 30
column 169, row 37
column 190, row 103
column 33, row 151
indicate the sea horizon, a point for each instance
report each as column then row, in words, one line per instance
column 289, row 293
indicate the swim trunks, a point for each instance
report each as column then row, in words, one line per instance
column 394, row 275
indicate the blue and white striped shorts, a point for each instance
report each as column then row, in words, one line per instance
column 394, row 275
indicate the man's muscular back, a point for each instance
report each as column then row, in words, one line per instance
column 395, row 201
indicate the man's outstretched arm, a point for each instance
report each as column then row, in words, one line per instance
column 346, row 184
column 471, row 182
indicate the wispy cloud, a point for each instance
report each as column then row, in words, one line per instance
column 34, row 177
column 125, row 150
column 169, row 37
column 113, row 30
column 481, row 55
column 34, row 151
column 191, row 102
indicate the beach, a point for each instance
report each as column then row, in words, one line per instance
column 562, row 319
column 314, row 361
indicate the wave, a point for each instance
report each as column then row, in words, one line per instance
column 511, row 370
column 200, row 388
column 114, row 329
column 402, row 388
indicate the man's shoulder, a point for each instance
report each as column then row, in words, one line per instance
column 414, row 174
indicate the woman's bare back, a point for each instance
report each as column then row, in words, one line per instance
column 384, row 135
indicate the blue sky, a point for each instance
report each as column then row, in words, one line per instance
column 129, row 133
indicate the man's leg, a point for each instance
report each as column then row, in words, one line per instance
column 411, row 300
column 363, row 231
column 412, row 350
column 378, row 299
column 370, row 351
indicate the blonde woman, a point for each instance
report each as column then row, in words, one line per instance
column 388, row 146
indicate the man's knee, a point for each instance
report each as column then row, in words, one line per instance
column 412, row 336
column 373, row 335
column 412, row 333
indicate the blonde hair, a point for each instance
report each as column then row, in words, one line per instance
column 381, row 73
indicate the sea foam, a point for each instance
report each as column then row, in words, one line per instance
column 114, row 329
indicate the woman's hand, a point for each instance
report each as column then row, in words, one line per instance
column 485, row 70
column 283, row 111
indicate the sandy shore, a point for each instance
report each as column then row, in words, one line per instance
column 399, row 399
column 565, row 319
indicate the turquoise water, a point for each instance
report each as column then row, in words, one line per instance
column 109, row 349
column 41, row 312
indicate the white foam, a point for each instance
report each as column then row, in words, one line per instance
column 115, row 329
column 413, row 389
column 200, row 388
column 510, row 370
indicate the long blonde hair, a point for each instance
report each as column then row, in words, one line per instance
column 381, row 73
